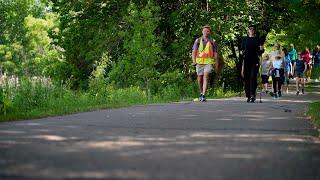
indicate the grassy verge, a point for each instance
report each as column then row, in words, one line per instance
column 314, row 112
column 29, row 99
column 67, row 101
column 314, row 108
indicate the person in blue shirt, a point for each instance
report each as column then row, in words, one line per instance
column 300, row 69
column 293, row 55
column 316, row 57
column 287, row 68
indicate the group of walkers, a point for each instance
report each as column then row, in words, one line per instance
column 280, row 64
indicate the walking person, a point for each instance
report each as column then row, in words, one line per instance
column 277, row 69
column 251, row 49
column 316, row 57
column 293, row 55
column 265, row 65
column 287, row 68
column 306, row 56
column 275, row 52
column 204, row 55
column 300, row 69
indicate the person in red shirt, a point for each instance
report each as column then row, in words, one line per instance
column 306, row 56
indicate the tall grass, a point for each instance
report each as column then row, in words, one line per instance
column 314, row 112
column 314, row 108
column 26, row 98
column 37, row 97
column 315, row 74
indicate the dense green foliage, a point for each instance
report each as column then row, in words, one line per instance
column 89, row 29
column 25, row 45
column 315, row 74
column 65, row 39
column 141, row 48
column 94, row 46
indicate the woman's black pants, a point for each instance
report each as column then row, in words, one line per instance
column 250, row 81
column 278, row 81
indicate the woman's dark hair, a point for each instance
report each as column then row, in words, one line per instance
column 285, row 51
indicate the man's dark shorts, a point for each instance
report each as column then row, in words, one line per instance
column 265, row 79
column 299, row 74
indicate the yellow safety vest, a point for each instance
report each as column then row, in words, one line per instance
column 205, row 55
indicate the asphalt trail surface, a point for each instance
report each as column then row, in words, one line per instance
column 218, row 139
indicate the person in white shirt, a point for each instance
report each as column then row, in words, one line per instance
column 277, row 71
column 265, row 65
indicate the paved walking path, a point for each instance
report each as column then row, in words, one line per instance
column 219, row 139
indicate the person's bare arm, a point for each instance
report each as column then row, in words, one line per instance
column 242, row 69
column 270, row 68
column 194, row 54
column 216, row 57
column 305, row 67
column 283, row 56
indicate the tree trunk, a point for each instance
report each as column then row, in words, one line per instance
column 205, row 5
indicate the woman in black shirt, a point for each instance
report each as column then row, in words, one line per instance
column 251, row 50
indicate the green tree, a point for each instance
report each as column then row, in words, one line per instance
column 38, row 43
column 142, row 49
column 92, row 28
column 13, row 40
column 88, row 29
column 303, row 29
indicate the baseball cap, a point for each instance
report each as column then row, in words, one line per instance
column 252, row 26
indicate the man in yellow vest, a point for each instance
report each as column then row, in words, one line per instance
column 204, row 55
